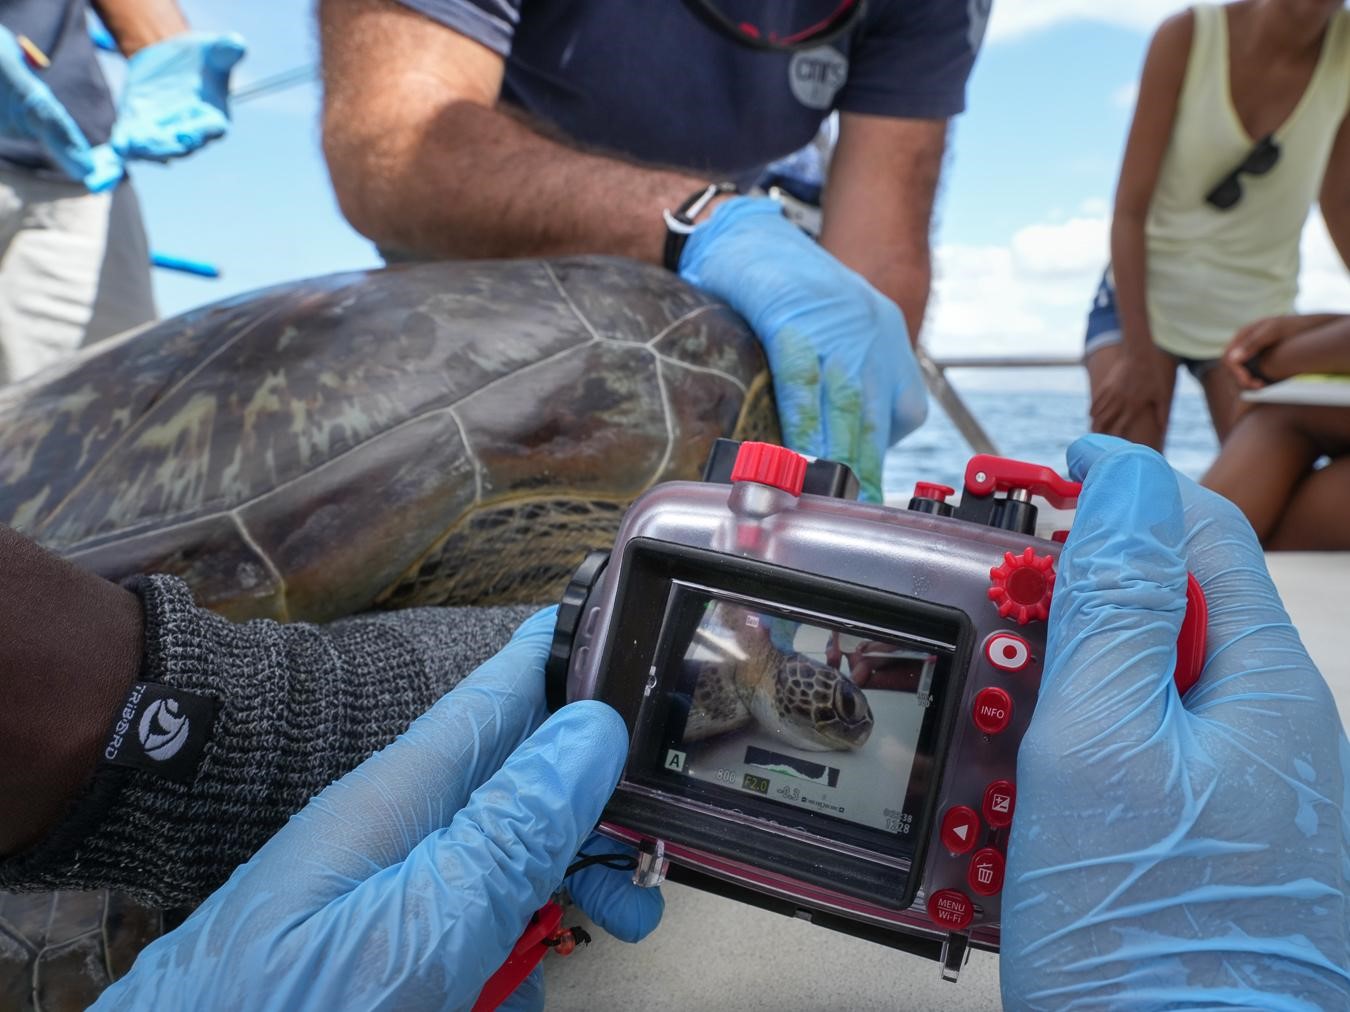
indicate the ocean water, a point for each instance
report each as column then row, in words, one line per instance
column 1033, row 415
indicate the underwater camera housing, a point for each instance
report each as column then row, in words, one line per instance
column 825, row 698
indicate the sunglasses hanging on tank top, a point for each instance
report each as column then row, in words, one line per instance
column 1259, row 160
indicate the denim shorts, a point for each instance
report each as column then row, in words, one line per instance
column 1103, row 328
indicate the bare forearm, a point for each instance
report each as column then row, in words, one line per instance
column 70, row 647
column 468, row 181
column 136, row 24
column 1324, row 349
column 1129, row 265
column 906, row 282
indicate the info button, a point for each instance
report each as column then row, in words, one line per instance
column 992, row 710
column 960, row 827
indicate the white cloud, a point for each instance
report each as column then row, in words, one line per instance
column 1125, row 96
column 1014, row 19
column 1324, row 283
column 1031, row 295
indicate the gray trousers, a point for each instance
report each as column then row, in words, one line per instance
column 74, row 269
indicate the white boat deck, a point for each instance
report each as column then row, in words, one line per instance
column 712, row 953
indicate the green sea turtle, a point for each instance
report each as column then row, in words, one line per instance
column 432, row 434
column 801, row 702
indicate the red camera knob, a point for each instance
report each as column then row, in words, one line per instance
column 1022, row 586
column 770, row 465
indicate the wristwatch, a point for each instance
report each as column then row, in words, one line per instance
column 680, row 222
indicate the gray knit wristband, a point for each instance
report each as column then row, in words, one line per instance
column 296, row 707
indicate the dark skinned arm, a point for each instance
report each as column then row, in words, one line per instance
column 1335, row 195
column 878, row 205
column 136, row 24
column 423, row 161
column 70, row 649
column 1321, row 349
column 1150, row 132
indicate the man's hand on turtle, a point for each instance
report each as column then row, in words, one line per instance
column 408, row 882
column 845, row 378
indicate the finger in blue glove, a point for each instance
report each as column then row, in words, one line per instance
column 608, row 896
column 177, row 96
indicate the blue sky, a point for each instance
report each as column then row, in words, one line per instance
column 1022, row 220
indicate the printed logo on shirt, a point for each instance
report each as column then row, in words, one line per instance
column 162, row 730
column 816, row 75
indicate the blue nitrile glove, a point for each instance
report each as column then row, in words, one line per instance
column 407, row 883
column 844, row 375
column 29, row 111
column 1167, row 855
column 177, row 96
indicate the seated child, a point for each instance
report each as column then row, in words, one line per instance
column 1267, row 465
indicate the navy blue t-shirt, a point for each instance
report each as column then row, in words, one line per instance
column 58, row 28
column 655, row 82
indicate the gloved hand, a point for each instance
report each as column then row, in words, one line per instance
column 177, row 96
column 844, row 376
column 29, row 110
column 1167, row 855
column 407, row 883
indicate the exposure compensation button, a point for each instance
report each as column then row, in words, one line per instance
column 1000, row 798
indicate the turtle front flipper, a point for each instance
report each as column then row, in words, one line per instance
column 716, row 707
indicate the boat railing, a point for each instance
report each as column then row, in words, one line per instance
column 935, row 375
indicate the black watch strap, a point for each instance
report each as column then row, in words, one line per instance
column 680, row 222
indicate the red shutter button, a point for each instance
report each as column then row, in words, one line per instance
column 950, row 909
column 960, row 827
column 931, row 490
column 1000, row 798
column 776, row 466
column 985, row 876
column 1007, row 652
column 1022, row 585
column 992, row 710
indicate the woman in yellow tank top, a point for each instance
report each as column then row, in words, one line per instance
column 1241, row 123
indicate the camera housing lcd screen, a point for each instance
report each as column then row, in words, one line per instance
column 803, row 741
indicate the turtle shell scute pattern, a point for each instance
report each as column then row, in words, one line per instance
column 329, row 445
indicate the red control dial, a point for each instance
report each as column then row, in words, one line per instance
column 950, row 909
column 767, row 464
column 1022, row 586
column 985, row 876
